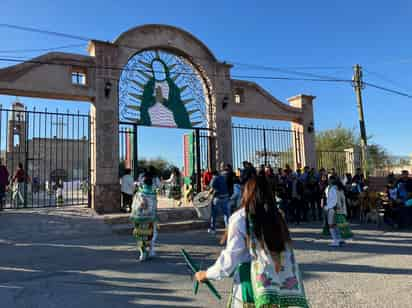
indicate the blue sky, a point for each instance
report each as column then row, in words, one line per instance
column 320, row 37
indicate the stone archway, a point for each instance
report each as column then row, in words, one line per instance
column 51, row 76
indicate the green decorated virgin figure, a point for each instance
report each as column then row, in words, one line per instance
column 161, row 103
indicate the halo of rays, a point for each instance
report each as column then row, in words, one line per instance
column 137, row 72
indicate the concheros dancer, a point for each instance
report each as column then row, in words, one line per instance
column 144, row 217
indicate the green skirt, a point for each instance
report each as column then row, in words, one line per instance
column 325, row 230
column 343, row 226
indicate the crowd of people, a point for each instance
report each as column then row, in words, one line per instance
column 300, row 194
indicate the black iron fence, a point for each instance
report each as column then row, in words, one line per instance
column 200, row 151
column 263, row 146
column 47, row 155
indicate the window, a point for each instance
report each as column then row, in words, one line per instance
column 238, row 95
column 237, row 98
column 79, row 76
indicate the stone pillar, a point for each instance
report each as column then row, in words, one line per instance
column 306, row 126
column 222, row 119
column 105, row 133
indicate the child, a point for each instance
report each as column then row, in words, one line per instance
column 143, row 216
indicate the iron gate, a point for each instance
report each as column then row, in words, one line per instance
column 266, row 146
column 128, row 148
column 53, row 149
column 128, row 151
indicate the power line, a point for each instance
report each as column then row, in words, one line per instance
column 388, row 90
column 41, row 49
column 285, row 70
column 384, row 78
column 60, row 34
column 319, row 78
column 178, row 72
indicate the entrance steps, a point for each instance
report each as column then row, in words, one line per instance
column 170, row 220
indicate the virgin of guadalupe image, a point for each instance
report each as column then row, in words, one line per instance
column 162, row 104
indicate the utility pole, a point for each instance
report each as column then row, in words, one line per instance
column 358, row 85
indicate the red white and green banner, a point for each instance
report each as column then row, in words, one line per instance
column 188, row 155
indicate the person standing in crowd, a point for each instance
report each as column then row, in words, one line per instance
column 391, row 179
column 20, row 181
column 144, row 217
column 207, row 178
column 256, row 233
column 59, row 192
column 220, row 201
column 295, row 197
column 311, row 184
column 155, row 178
column 127, row 188
column 227, row 172
column 272, row 179
column 246, row 173
column 404, row 187
column 359, row 179
column 175, row 189
column 4, row 182
column 331, row 208
column 305, row 174
column 282, row 192
column 288, row 170
column 236, row 197
column 323, row 184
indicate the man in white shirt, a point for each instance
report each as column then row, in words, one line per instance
column 127, row 189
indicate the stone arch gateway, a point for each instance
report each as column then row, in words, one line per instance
column 50, row 76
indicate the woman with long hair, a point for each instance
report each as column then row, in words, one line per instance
column 259, row 253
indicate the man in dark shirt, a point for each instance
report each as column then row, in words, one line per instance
column 227, row 172
column 220, row 201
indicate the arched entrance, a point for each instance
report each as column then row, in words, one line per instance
column 156, row 97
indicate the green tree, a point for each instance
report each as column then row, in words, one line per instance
column 341, row 138
column 336, row 139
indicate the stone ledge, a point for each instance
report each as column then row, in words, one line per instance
column 165, row 215
column 173, row 226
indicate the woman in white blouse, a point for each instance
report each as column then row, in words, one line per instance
column 259, row 209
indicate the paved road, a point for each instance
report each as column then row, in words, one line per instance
column 60, row 258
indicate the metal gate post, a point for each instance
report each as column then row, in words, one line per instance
column 26, row 153
column 89, row 171
column 135, row 156
column 264, row 147
column 198, row 175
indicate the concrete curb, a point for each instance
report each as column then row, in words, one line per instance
column 173, row 226
column 164, row 215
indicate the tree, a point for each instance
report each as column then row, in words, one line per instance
column 337, row 139
column 341, row 138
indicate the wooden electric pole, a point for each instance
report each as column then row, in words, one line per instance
column 358, row 85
